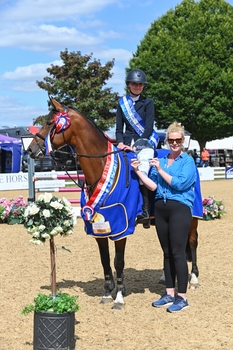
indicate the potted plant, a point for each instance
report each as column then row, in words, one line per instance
column 54, row 319
column 212, row 208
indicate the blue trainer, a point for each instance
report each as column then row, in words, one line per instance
column 178, row 305
column 165, row 300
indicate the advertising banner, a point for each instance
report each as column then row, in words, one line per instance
column 229, row 172
column 18, row 181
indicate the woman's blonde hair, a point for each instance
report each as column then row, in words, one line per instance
column 175, row 127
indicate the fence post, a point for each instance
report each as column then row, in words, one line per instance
column 31, row 183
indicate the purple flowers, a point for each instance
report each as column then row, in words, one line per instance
column 12, row 211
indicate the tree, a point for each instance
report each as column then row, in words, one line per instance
column 79, row 82
column 187, row 57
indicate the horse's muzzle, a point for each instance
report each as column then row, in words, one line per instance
column 38, row 154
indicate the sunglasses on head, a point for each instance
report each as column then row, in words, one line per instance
column 178, row 141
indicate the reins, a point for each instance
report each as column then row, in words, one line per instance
column 89, row 156
column 75, row 155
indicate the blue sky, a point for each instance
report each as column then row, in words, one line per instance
column 34, row 32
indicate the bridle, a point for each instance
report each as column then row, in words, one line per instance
column 75, row 155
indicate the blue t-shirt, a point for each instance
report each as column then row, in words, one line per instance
column 183, row 172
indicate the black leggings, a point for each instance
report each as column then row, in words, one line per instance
column 172, row 222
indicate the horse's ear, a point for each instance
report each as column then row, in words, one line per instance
column 57, row 105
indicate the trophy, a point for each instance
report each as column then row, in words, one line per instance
column 144, row 151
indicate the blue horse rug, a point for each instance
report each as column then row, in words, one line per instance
column 115, row 217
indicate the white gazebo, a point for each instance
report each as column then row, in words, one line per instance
column 226, row 143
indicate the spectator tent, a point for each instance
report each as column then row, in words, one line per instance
column 10, row 154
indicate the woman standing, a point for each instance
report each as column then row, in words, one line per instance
column 135, row 120
column 173, row 177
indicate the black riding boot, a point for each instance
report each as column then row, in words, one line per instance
column 144, row 218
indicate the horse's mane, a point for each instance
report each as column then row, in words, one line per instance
column 52, row 111
column 89, row 119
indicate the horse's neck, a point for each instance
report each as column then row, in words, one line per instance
column 94, row 146
column 89, row 144
column 92, row 169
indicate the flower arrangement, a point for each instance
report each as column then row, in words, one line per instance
column 12, row 211
column 3, row 205
column 47, row 217
column 212, row 208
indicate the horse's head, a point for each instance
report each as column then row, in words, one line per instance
column 37, row 147
column 67, row 126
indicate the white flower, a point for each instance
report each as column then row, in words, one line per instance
column 26, row 212
column 53, row 233
column 41, row 228
column 46, row 213
column 69, row 210
column 56, row 205
column 66, row 202
column 45, row 235
column 66, row 223
column 46, row 197
column 36, row 241
column 33, row 209
column 69, row 232
column 36, row 234
column 32, row 229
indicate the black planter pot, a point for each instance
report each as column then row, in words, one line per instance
column 54, row 331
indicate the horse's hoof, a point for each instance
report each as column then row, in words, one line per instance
column 118, row 306
column 106, row 300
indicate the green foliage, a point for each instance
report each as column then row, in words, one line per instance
column 79, row 82
column 46, row 303
column 187, row 57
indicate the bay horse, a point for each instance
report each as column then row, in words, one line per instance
column 191, row 253
column 110, row 198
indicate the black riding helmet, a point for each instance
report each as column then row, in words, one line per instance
column 136, row 76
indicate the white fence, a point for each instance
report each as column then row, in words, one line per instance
column 18, row 181
column 219, row 173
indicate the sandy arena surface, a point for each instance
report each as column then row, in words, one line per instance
column 206, row 325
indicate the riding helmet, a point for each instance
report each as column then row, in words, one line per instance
column 136, row 76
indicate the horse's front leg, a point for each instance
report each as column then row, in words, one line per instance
column 119, row 264
column 109, row 284
column 193, row 243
